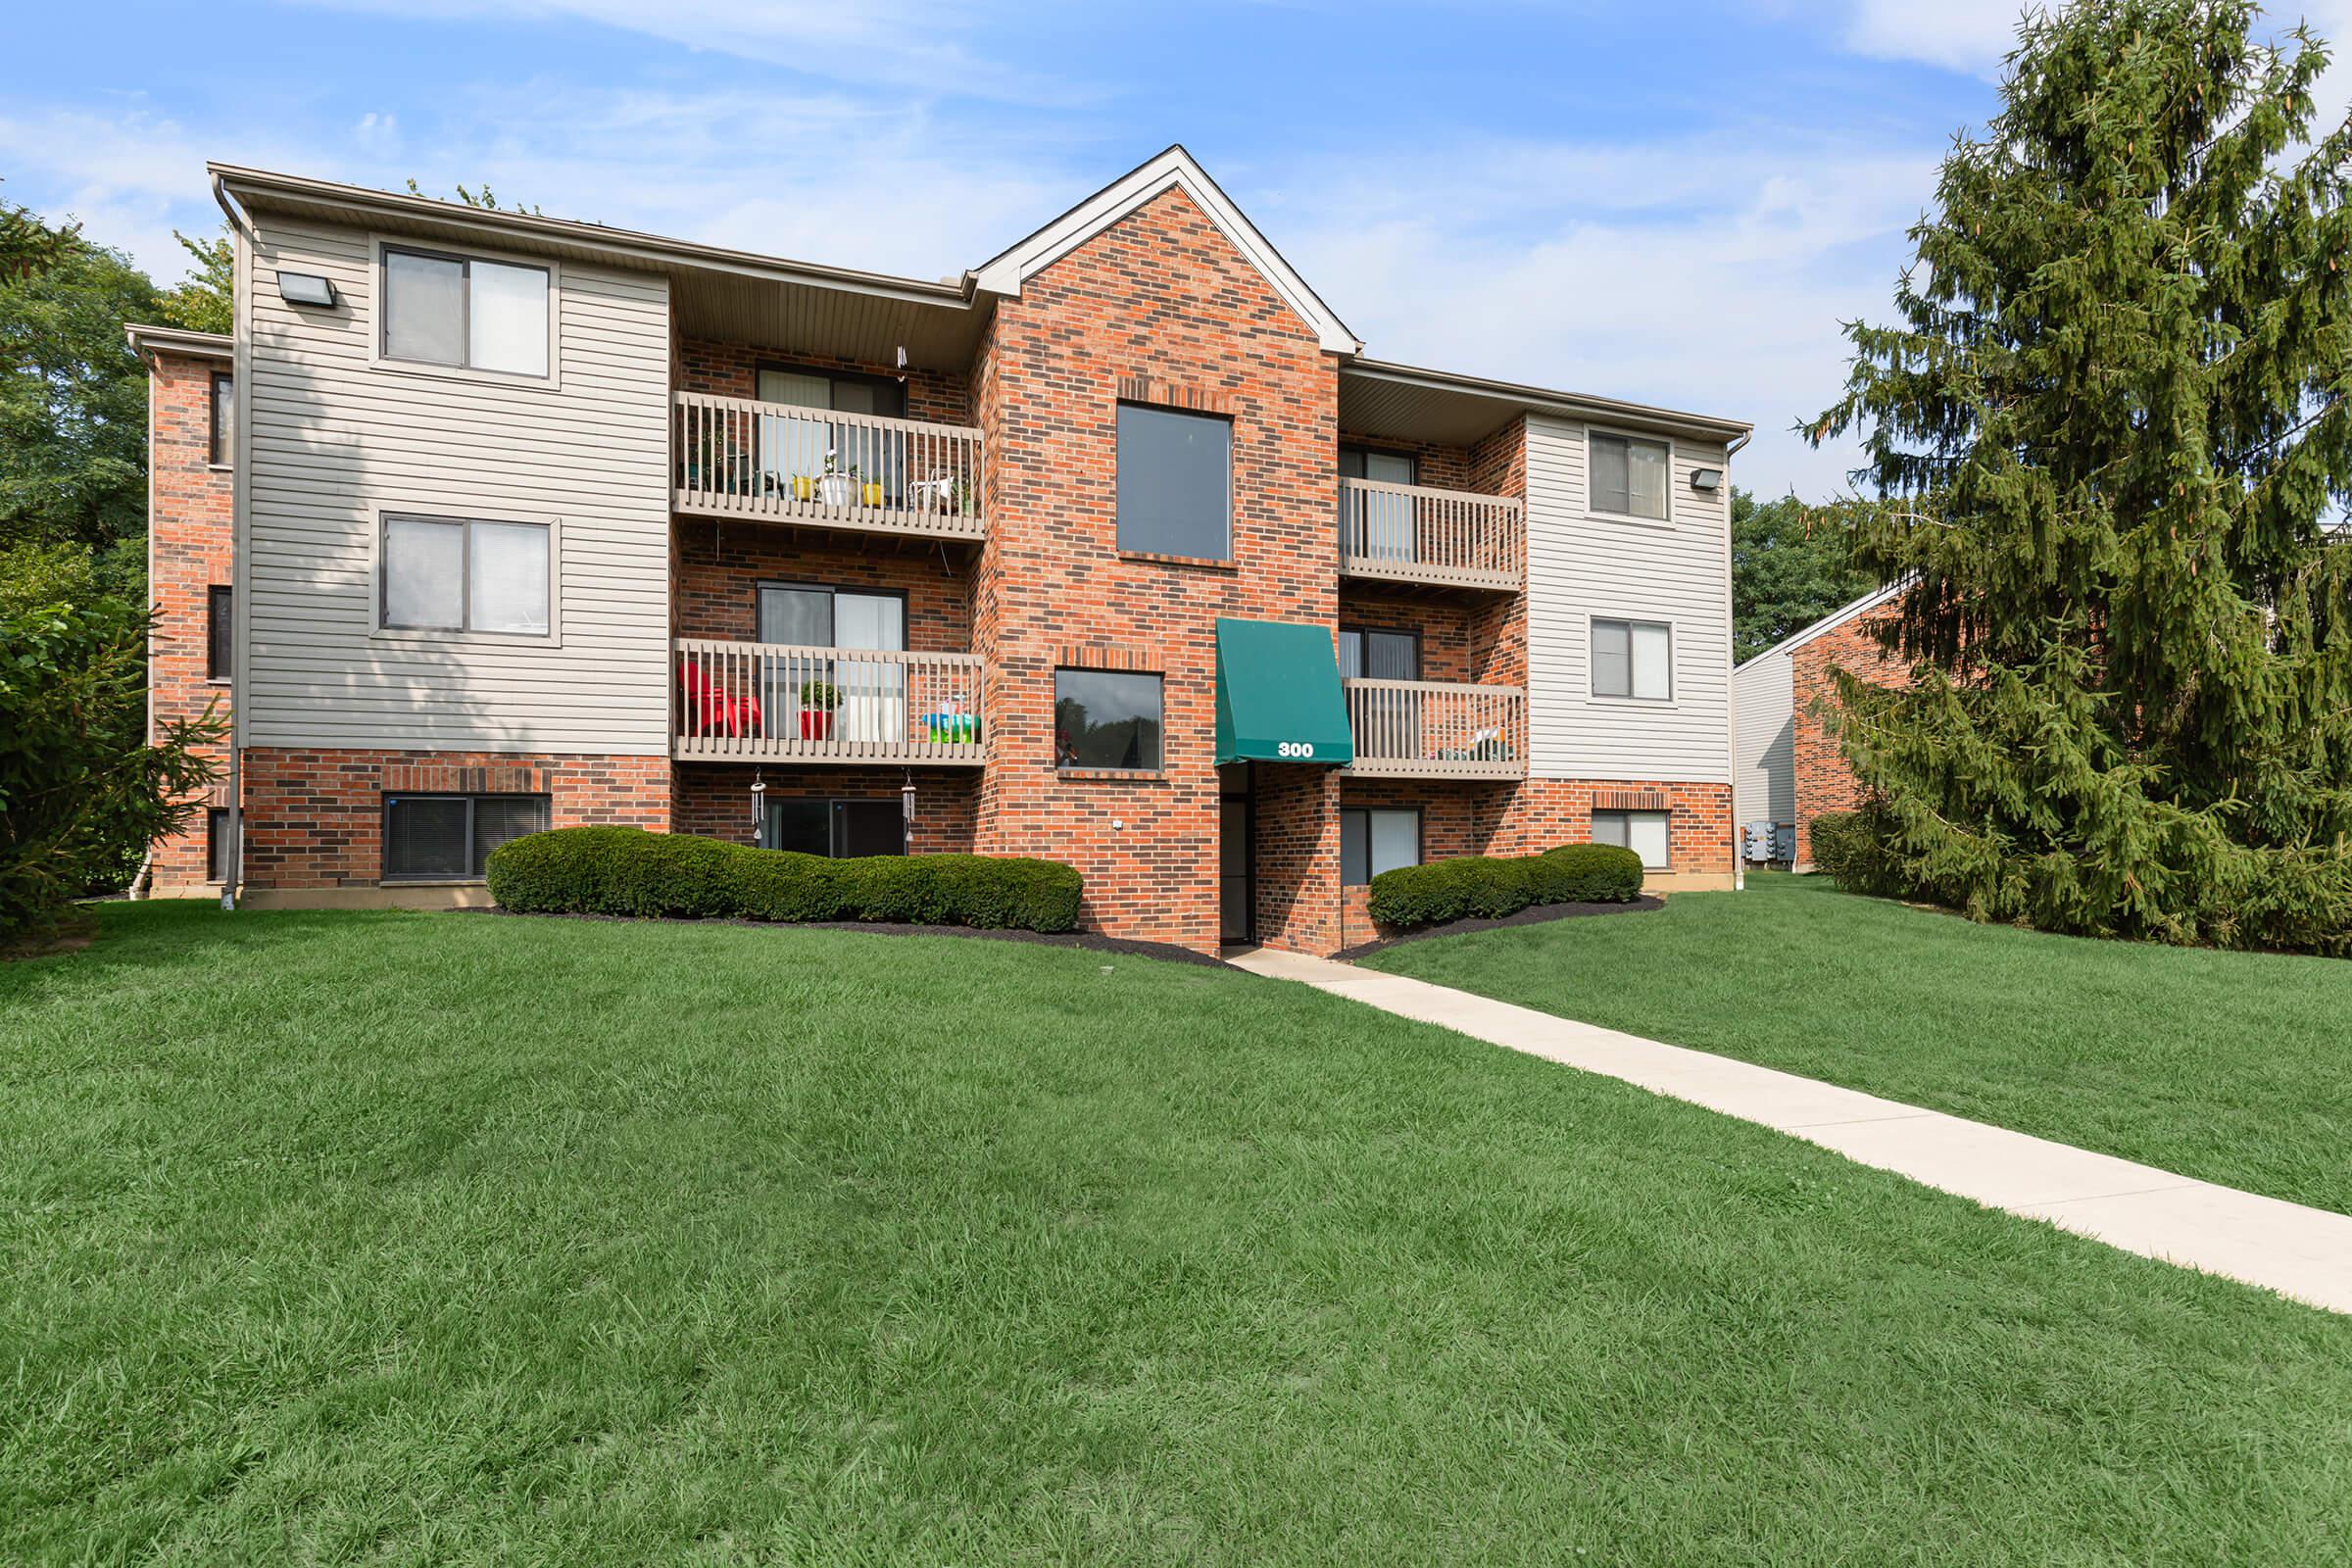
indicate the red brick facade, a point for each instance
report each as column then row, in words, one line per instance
column 315, row 819
column 1158, row 308
column 189, row 553
column 1823, row 779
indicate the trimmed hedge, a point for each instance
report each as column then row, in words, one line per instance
column 1842, row 845
column 627, row 870
column 1485, row 887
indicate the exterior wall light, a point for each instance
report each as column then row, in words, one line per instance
column 1706, row 478
column 306, row 288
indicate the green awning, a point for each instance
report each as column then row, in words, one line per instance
column 1278, row 694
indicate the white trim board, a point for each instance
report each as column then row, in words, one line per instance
column 1004, row 272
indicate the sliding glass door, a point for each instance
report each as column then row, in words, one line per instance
column 835, row 694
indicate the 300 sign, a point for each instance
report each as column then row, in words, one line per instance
column 1302, row 749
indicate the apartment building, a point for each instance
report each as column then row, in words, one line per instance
column 1791, row 769
column 1117, row 549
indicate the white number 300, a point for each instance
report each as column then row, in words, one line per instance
column 1295, row 749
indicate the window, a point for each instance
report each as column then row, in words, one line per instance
column 1368, row 654
column 224, row 419
column 1106, row 718
column 1629, row 476
column 466, row 311
column 220, row 632
column 219, row 842
column 1175, row 482
column 446, row 838
column 459, row 574
column 1642, row 832
column 1633, row 659
column 1377, row 524
column 1372, row 842
column 841, row 829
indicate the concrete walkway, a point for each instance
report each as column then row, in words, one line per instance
column 2287, row 1248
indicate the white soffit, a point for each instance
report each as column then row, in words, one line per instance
column 1004, row 273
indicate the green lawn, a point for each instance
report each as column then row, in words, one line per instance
column 457, row 1238
column 2233, row 1067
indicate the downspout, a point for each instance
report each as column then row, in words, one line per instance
column 1731, row 692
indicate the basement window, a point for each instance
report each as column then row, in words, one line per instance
column 1642, row 832
column 448, row 838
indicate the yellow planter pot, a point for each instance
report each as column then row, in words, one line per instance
column 874, row 494
column 803, row 487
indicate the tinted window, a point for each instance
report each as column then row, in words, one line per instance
column 868, row 827
column 425, row 308
column 1104, row 718
column 218, row 842
column 450, row 837
column 219, row 625
column 1175, row 482
column 225, row 418
column 803, row 826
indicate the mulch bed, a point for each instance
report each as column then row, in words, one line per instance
column 1536, row 914
column 1086, row 940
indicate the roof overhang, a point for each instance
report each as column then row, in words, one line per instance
column 1173, row 170
column 148, row 340
column 1407, row 402
column 715, row 292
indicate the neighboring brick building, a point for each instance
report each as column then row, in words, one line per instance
column 191, row 449
column 1791, row 768
column 545, row 523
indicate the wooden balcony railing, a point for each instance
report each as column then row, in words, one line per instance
column 1452, row 538
column 742, row 459
column 767, row 701
column 1436, row 729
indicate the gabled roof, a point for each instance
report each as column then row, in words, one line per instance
column 146, row 339
column 1175, row 169
column 1827, row 623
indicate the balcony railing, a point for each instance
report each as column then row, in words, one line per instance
column 767, row 701
column 1436, row 729
column 742, row 459
column 1452, row 538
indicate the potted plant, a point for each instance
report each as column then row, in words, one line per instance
column 836, row 486
column 872, row 488
column 818, row 699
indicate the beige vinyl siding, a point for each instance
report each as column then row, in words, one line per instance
column 1581, row 566
column 336, row 439
column 1765, row 775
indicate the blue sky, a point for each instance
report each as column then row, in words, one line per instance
column 1676, row 204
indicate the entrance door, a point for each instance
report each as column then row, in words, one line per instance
column 1237, row 880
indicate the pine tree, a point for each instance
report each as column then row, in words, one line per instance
column 2112, row 439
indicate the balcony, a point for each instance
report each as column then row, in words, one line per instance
column 1445, row 538
column 1436, row 729
column 769, row 702
column 821, row 469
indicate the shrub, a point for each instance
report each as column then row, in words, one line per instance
column 82, row 793
column 1488, row 887
column 627, row 870
column 1840, row 845
column 1588, row 873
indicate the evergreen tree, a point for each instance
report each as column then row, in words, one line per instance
column 2111, row 436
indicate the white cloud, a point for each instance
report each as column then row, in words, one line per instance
column 1968, row 35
